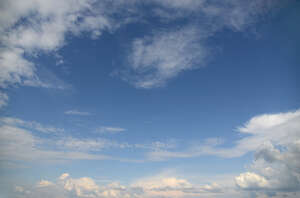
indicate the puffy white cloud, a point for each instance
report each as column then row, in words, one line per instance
column 155, row 187
column 250, row 180
column 82, row 187
column 275, row 170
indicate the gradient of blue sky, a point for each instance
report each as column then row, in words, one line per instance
column 155, row 99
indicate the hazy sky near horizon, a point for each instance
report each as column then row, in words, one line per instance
column 149, row 98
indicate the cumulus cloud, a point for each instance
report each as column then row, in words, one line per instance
column 158, row 186
column 275, row 171
column 250, row 180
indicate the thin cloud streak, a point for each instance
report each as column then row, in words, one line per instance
column 76, row 112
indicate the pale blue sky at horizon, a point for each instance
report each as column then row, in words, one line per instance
column 149, row 99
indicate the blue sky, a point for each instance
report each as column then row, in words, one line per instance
column 149, row 99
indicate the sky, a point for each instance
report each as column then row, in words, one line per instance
column 149, row 99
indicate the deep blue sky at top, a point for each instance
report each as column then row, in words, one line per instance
column 248, row 73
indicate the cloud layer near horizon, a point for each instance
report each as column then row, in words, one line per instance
column 274, row 138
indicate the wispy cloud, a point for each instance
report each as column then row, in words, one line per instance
column 76, row 112
column 32, row 125
column 25, row 141
column 109, row 129
column 162, row 55
column 3, row 99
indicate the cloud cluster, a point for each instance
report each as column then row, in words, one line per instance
column 275, row 171
column 66, row 186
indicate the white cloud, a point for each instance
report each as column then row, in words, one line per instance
column 250, row 180
column 76, row 112
column 156, row 59
column 274, row 171
column 18, row 144
column 22, row 24
column 14, row 68
column 3, row 99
